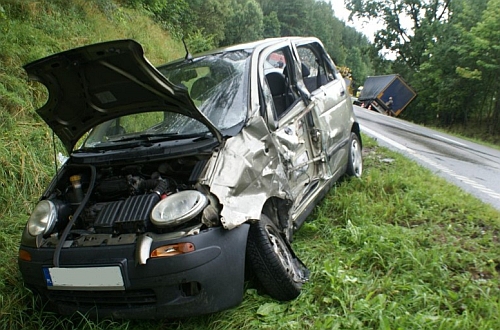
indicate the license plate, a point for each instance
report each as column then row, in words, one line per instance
column 84, row 278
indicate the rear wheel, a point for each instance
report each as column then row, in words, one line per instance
column 355, row 162
column 279, row 272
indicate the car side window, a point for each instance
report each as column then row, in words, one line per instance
column 316, row 71
column 277, row 74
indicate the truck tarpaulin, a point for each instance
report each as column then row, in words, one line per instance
column 388, row 94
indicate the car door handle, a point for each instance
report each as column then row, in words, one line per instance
column 342, row 93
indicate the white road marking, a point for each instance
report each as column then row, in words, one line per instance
column 450, row 140
column 385, row 139
column 439, row 167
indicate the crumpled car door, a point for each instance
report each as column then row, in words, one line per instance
column 291, row 131
column 329, row 99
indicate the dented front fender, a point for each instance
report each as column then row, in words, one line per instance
column 247, row 171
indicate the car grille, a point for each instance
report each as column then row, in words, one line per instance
column 104, row 299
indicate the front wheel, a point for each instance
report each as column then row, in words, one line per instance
column 355, row 162
column 278, row 270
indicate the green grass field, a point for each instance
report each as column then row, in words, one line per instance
column 397, row 249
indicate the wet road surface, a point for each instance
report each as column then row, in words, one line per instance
column 472, row 167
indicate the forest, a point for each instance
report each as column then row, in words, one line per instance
column 398, row 249
column 206, row 24
column 447, row 50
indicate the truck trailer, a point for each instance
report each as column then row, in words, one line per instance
column 388, row 94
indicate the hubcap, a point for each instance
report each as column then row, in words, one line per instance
column 357, row 162
column 281, row 251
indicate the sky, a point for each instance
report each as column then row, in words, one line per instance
column 340, row 10
column 368, row 28
column 365, row 26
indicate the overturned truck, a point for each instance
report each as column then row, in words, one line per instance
column 388, row 94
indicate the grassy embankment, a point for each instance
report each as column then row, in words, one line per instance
column 399, row 248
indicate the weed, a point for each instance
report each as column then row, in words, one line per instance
column 397, row 249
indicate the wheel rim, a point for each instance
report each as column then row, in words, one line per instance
column 357, row 162
column 282, row 252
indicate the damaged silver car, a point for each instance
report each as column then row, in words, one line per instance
column 179, row 177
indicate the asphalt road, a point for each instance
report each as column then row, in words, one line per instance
column 470, row 166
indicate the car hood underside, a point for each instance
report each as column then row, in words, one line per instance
column 99, row 82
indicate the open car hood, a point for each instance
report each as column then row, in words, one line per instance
column 92, row 84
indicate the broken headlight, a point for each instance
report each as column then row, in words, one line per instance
column 178, row 208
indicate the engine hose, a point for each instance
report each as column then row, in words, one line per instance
column 158, row 186
column 75, row 216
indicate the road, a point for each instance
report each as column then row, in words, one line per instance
column 471, row 166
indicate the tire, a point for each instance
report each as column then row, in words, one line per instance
column 355, row 161
column 277, row 269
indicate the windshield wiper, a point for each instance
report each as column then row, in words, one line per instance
column 112, row 145
column 159, row 136
column 141, row 140
column 143, row 137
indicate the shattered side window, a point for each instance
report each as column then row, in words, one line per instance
column 315, row 72
column 275, row 62
column 217, row 85
column 278, row 70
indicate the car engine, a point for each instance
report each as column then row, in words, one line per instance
column 119, row 199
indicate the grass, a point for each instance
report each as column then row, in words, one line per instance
column 30, row 30
column 398, row 249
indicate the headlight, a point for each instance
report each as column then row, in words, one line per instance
column 43, row 218
column 178, row 208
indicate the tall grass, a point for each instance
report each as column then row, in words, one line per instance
column 34, row 29
column 30, row 30
column 397, row 249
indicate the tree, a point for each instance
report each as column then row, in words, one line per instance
column 210, row 16
column 245, row 24
column 174, row 15
column 328, row 28
column 272, row 25
column 291, row 14
column 486, row 50
column 358, row 50
column 410, row 25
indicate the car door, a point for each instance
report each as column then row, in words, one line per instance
column 329, row 96
column 289, row 120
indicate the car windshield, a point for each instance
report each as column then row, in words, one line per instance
column 217, row 85
column 148, row 126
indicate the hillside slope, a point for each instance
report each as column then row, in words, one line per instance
column 30, row 30
column 398, row 249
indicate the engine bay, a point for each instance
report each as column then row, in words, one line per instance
column 114, row 204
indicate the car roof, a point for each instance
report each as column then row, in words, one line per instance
column 259, row 44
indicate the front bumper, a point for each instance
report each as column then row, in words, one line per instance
column 206, row 280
